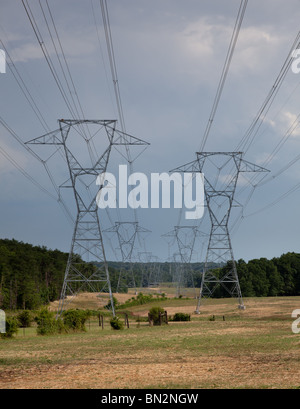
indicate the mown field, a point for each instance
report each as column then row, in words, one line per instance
column 255, row 348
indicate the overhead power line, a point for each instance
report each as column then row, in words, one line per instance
column 47, row 56
column 250, row 135
column 228, row 60
column 29, row 177
column 112, row 61
column 233, row 42
column 275, row 202
column 25, row 90
column 24, row 173
column 71, row 105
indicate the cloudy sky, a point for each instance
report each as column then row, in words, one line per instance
column 169, row 56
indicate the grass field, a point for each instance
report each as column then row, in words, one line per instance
column 255, row 348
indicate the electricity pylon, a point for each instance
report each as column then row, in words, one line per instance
column 177, row 273
column 185, row 237
column 220, row 198
column 150, row 270
column 82, row 140
column 127, row 233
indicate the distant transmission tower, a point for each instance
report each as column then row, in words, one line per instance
column 150, row 270
column 127, row 233
column 82, row 140
column 177, row 273
column 185, row 237
column 219, row 196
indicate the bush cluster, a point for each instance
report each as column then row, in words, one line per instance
column 12, row 327
column 75, row 319
column 154, row 313
column 116, row 323
column 180, row 316
column 48, row 324
column 142, row 299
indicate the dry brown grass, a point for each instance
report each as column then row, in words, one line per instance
column 254, row 348
column 253, row 371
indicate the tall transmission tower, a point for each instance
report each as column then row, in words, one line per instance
column 127, row 233
column 82, row 140
column 185, row 237
column 150, row 270
column 177, row 273
column 219, row 195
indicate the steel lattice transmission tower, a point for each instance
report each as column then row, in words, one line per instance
column 127, row 233
column 87, row 146
column 150, row 270
column 177, row 273
column 221, row 173
column 185, row 237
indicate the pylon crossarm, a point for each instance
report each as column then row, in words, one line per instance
column 126, row 139
column 51, row 138
column 246, row 166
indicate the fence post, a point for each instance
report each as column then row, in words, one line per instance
column 126, row 320
column 101, row 321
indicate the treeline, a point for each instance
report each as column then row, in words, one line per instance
column 258, row 278
column 264, row 278
column 269, row 278
column 32, row 276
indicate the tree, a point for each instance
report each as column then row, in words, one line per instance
column 24, row 318
column 260, row 280
column 245, row 279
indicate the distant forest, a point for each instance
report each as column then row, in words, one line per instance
column 31, row 276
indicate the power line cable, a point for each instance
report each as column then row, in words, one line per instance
column 248, row 138
column 228, row 60
column 44, row 163
column 256, row 124
column 47, row 56
column 233, row 42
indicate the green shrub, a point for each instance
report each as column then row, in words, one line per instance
column 155, row 314
column 11, row 324
column 180, row 316
column 75, row 319
column 47, row 324
column 116, row 323
column 109, row 306
column 24, row 319
column 141, row 299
